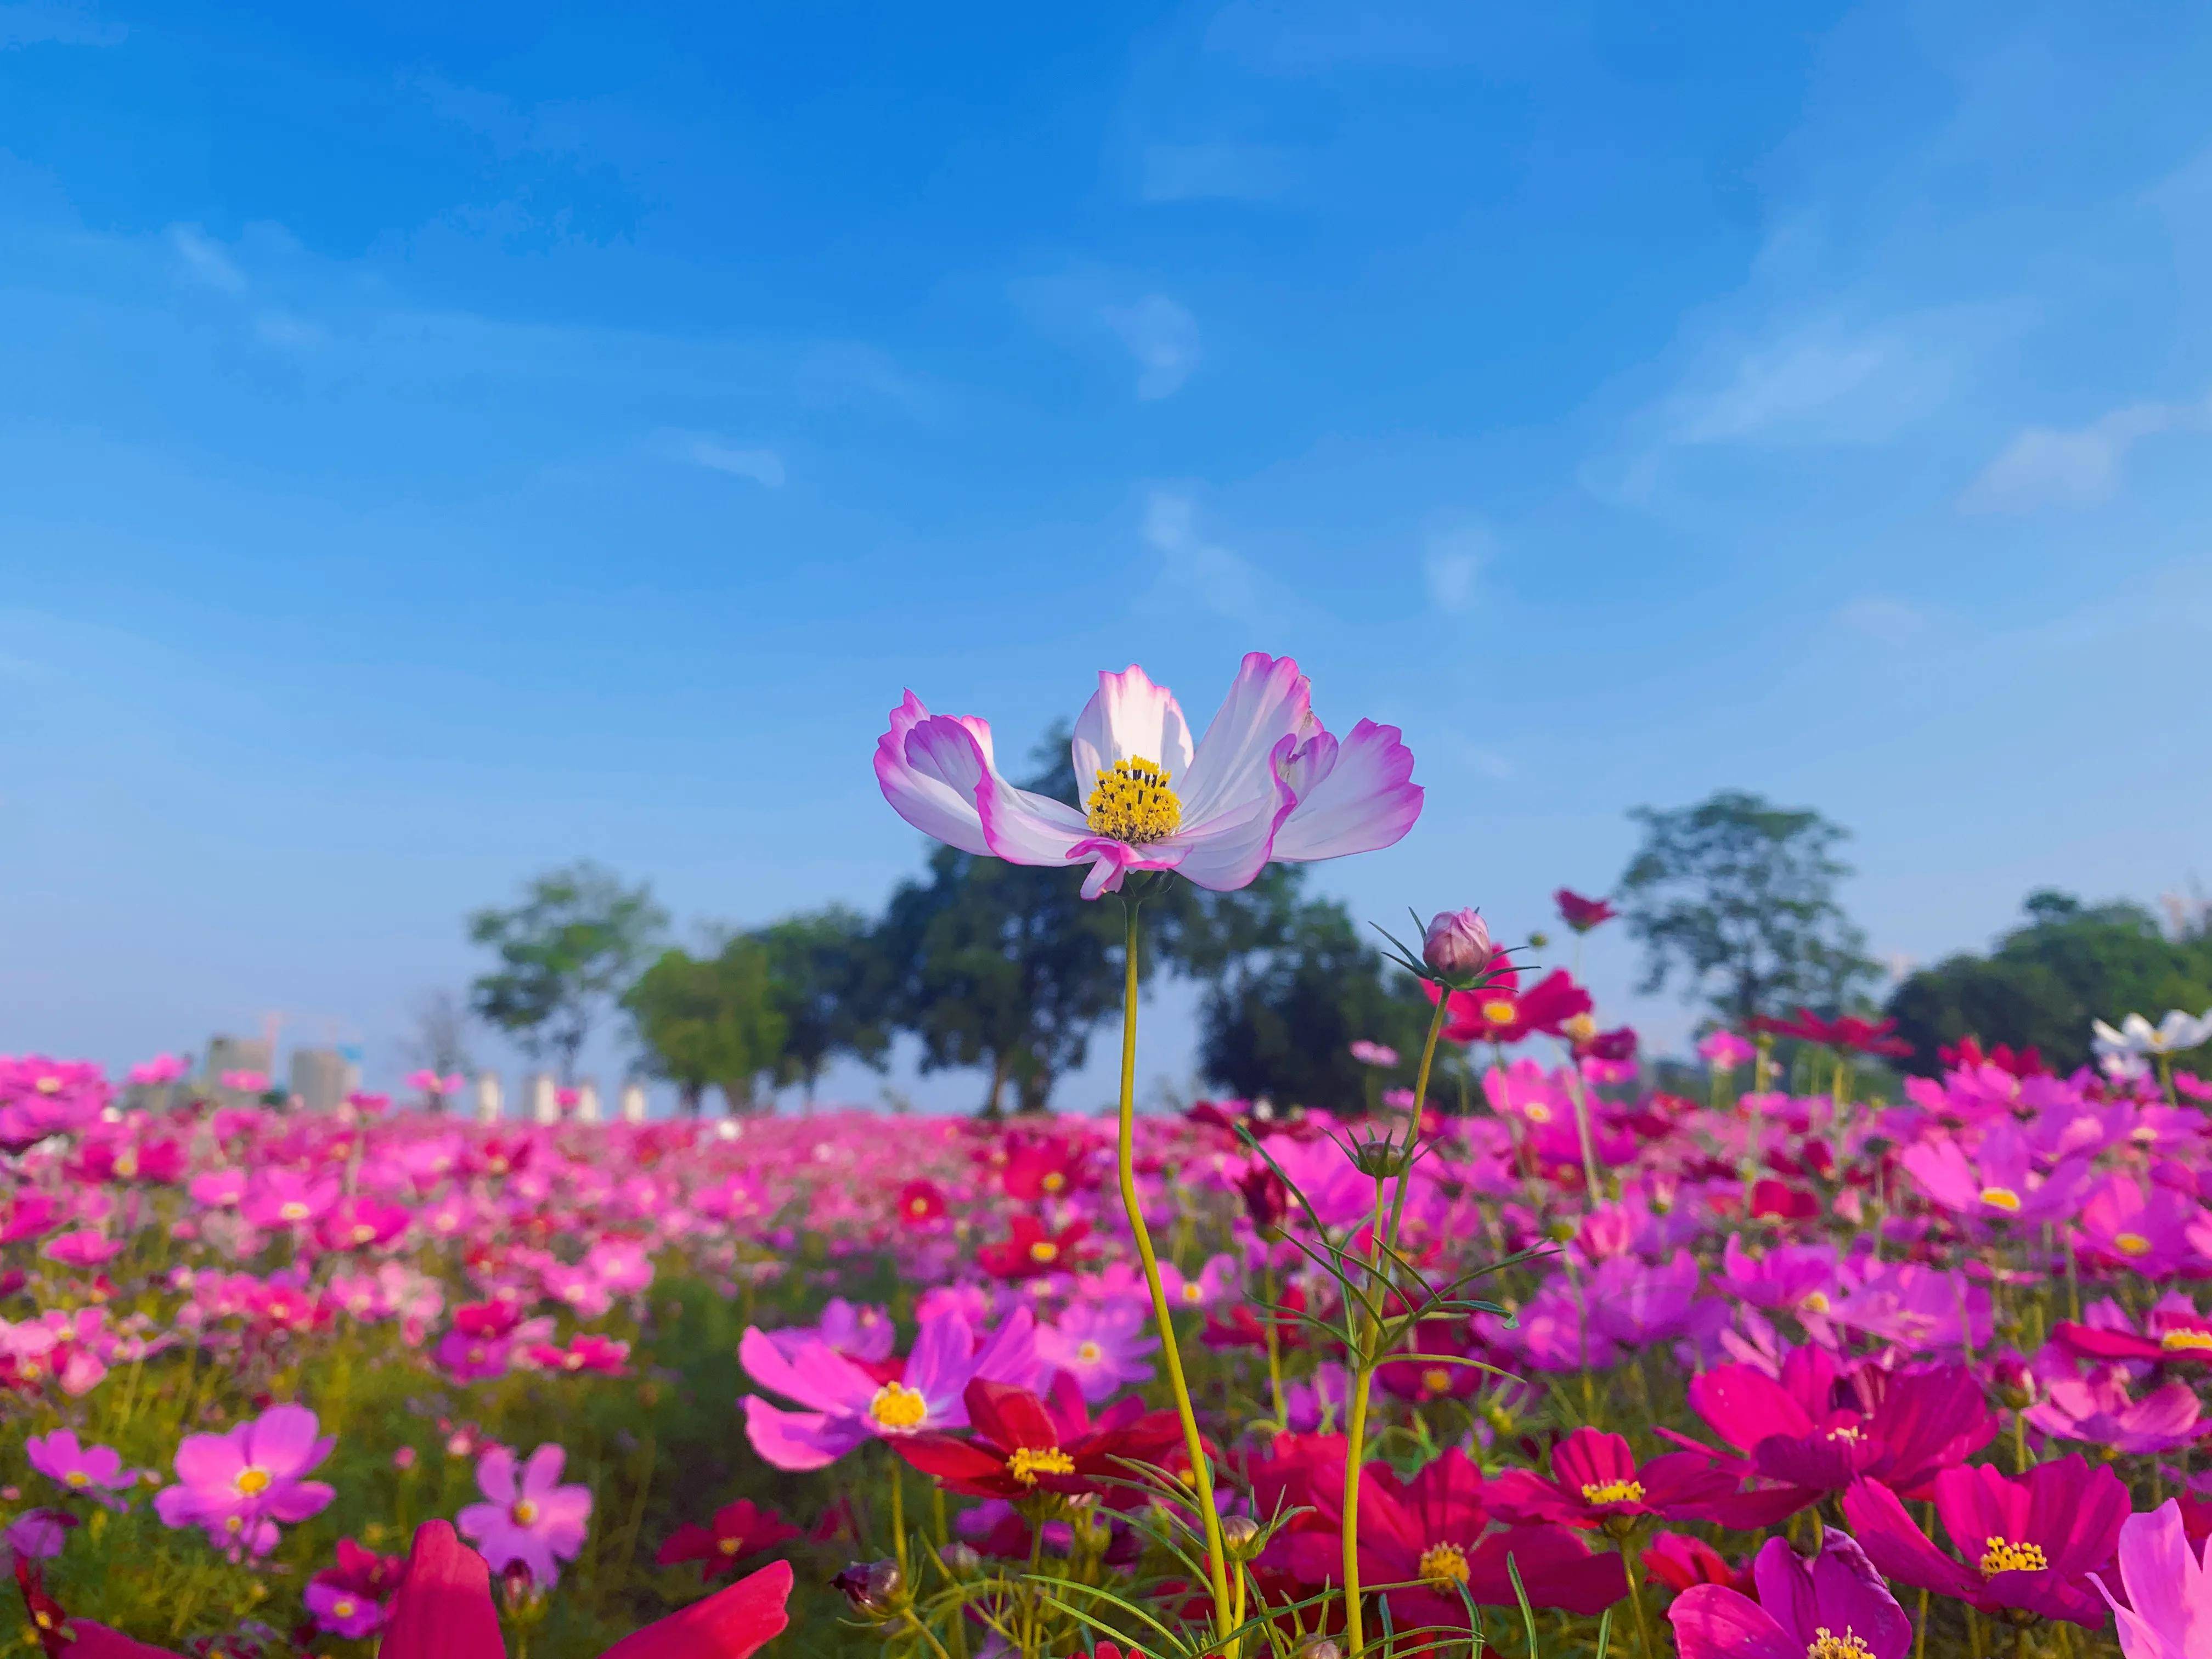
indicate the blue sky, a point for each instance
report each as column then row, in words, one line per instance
column 440, row 443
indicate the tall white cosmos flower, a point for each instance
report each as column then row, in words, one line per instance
column 1267, row 781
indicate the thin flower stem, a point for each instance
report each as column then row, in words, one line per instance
column 1202, row 1474
column 1356, row 1425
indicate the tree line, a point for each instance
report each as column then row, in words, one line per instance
column 1734, row 902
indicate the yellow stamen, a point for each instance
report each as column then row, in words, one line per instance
column 294, row 1211
column 523, row 1512
column 897, row 1407
column 1499, row 1010
column 77, row 1477
column 1090, row 1354
column 2004, row 1556
column 342, row 1608
column 1826, row 1645
column 1443, row 1564
column 1539, row 1113
column 727, row 1545
column 2000, row 1197
column 2185, row 1340
column 1027, row 1463
column 2132, row 1244
column 1579, row 1028
column 1614, row 1491
column 1053, row 1182
column 1437, row 1380
column 1133, row 803
column 251, row 1481
column 1044, row 1250
column 1815, row 1302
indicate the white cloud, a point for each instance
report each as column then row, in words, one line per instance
column 2045, row 467
column 206, row 262
column 1453, row 566
column 55, row 23
column 1820, row 384
column 1162, row 336
column 280, row 328
column 1212, row 173
column 763, row 466
column 1891, row 621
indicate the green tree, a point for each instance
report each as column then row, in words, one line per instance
column 2045, row 980
column 1281, row 1021
column 832, row 987
column 565, row 953
column 1735, row 898
column 705, row 1020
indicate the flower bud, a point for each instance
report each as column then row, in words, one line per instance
column 1457, row 943
column 874, row 1588
column 1318, row 1647
column 1267, row 1200
column 1382, row 1159
column 961, row 1561
column 1240, row 1535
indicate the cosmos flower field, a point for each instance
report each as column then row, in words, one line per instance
column 248, row 1352
column 1586, row 1367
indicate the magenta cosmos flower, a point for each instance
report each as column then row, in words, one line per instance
column 1834, row 1604
column 1267, row 781
column 234, row 1485
column 529, row 1516
column 94, row 1472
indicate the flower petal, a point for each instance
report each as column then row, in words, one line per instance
column 1268, row 701
column 1368, row 799
column 928, row 802
column 1229, row 850
column 1128, row 715
column 1016, row 826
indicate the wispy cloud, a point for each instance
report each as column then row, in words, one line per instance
column 1163, row 337
column 204, row 261
column 2047, row 466
column 1196, row 570
column 1452, row 565
column 1214, row 172
column 763, row 466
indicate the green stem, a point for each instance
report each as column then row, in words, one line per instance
column 1201, row 1472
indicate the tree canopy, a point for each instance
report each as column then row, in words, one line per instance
column 710, row 1020
column 565, row 953
column 1735, row 900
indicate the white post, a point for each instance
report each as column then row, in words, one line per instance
column 587, row 1101
column 633, row 1101
column 491, row 1105
column 544, row 1104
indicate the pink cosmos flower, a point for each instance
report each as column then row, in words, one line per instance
column 846, row 1405
column 1725, row 1050
column 1266, row 782
column 1374, row 1054
column 87, row 1246
column 2168, row 1586
column 1834, row 1603
column 94, row 1472
column 360, row 1224
column 2097, row 1410
column 163, row 1068
column 530, row 1517
column 1103, row 1348
column 586, row 1353
column 1997, row 1182
column 235, row 1486
column 39, row 1534
column 285, row 1198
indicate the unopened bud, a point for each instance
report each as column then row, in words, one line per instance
column 1318, row 1647
column 1457, row 943
column 1240, row 1535
column 1382, row 1159
column 873, row 1586
column 961, row 1561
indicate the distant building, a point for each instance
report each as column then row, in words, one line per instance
column 321, row 1078
column 231, row 1056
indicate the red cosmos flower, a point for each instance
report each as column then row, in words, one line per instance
column 1040, row 1171
column 1597, row 1482
column 1620, row 1043
column 1583, row 913
column 79, row 1638
column 1021, row 1445
column 1967, row 1054
column 738, row 1530
column 1031, row 1250
column 920, row 1202
column 1243, row 1329
column 1845, row 1031
column 1267, row 1200
column 1432, row 1532
column 1501, row 1012
column 1678, row 1561
column 2029, row 1544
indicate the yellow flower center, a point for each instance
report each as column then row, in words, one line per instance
column 294, row 1211
column 1027, row 1463
column 251, row 1480
column 1826, row 1645
column 1443, row 1563
column 77, row 1477
column 1614, row 1491
column 727, row 1545
column 126, row 1164
column 1053, row 1182
column 1044, row 1250
column 524, row 1512
column 1090, row 1354
column 362, row 1233
column 1815, row 1302
column 342, row 1608
column 897, row 1407
column 1133, row 803
column 2185, row 1340
column 49, row 1085
column 2004, row 1556
column 2132, row 1244
column 1437, row 1380
column 1579, row 1028
column 1497, row 1417
column 1193, row 1291
column 2000, row 1197
column 1498, row 1011
column 1539, row 1112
